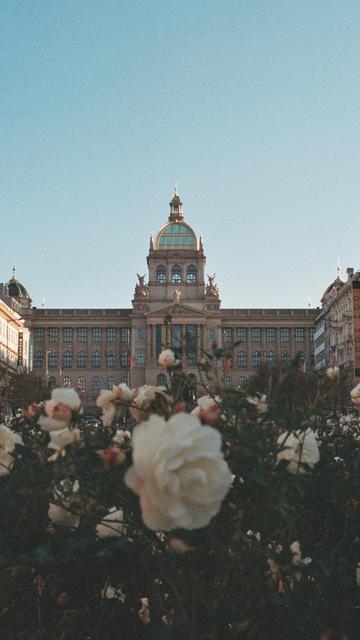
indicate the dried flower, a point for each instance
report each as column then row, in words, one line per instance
column 109, row 401
column 150, row 399
column 300, row 447
column 332, row 372
column 260, row 403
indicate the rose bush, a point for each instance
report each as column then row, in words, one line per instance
column 247, row 529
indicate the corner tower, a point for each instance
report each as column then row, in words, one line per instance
column 176, row 262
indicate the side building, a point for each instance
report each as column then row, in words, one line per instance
column 15, row 353
column 337, row 335
column 91, row 349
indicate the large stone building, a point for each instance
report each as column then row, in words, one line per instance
column 91, row 349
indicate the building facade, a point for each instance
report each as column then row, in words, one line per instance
column 176, row 304
column 337, row 335
column 15, row 355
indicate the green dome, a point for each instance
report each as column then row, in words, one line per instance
column 176, row 235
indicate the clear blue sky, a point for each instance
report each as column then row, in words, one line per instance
column 251, row 106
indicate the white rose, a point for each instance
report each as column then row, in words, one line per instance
column 61, row 438
column 146, row 395
column 8, row 440
column 259, row 402
column 166, row 359
column 59, row 410
column 62, row 516
column 111, row 525
column 179, row 472
column 208, row 409
column 355, row 394
column 107, row 399
column 301, row 448
column 332, row 372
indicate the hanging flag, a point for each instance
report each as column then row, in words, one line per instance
column 333, row 355
column 61, row 373
column 228, row 364
column 302, row 365
column 131, row 360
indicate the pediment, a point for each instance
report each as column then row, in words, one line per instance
column 177, row 309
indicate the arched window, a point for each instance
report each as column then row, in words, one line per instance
column 111, row 359
column 96, row 359
column 81, row 383
column 67, row 359
column 286, row 356
column 38, row 359
column 242, row 381
column 160, row 273
column 242, row 359
column 52, row 382
column 176, row 274
column 52, row 359
column 161, row 380
column 82, row 359
column 228, row 382
column 256, row 359
column 95, row 383
column 124, row 358
column 110, row 382
column 67, row 382
column 191, row 274
column 270, row 356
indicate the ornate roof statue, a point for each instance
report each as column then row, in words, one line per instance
column 211, row 288
column 141, row 289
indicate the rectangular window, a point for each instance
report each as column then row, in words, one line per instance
column 141, row 357
column 242, row 359
column 160, row 339
column 39, row 334
column 284, row 334
column 52, row 359
column 67, row 334
column 241, row 334
column 176, row 336
column 82, row 334
column 97, row 334
column 191, row 343
column 53, row 334
column 271, row 334
column 141, row 333
column 125, row 335
column 211, row 335
column 228, row 335
column 255, row 334
column 299, row 334
column 311, row 334
column 111, row 334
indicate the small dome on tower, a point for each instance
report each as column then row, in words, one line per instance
column 17, row 290
column 176, row 234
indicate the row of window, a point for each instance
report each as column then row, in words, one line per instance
column 82, row 333
column 82, row 359
column 81, row 383
column 176, row 274
column 271, row 334
column 256, row 358
column 228, row 382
